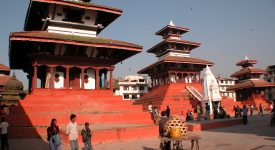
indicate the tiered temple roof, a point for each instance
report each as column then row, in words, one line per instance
column 249, row 76
column 173, row 49
column 106, row 15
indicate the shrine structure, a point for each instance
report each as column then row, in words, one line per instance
column 70, row 70
column 249, row 87
column 176, row 75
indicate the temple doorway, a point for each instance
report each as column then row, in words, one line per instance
column 75, row 74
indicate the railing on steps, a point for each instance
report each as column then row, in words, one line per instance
column 194, row 92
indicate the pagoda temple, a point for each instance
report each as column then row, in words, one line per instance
column 176, row 75
column 60, row 45
column 249, row 85
column 11, row 89
column 70, row 70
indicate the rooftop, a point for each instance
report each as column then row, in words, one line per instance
column 183, row 60
column 36, row 12
column 183, row 42
column 252, row 83
column 43, row 36
column 246, row 62
column 4, row 79
column 4, row 67
column 248, row 70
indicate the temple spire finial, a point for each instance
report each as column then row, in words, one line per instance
column 171, row 23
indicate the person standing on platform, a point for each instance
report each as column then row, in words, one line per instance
column 183, row 118
column 156, row 115
column 271, row 106
column 251, row 110
column 239, row 111
column 162, row 122
column 86, row 137
column 207, row 111
column 4, row 134
column 168, row 111
column 198, row 109
column 53, row 136
column 245, row 113
column 72, row 132
column 150, row 108
column 215, row 112
column 235, row 111
column 261, row 110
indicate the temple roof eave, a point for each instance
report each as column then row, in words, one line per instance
column 248, row 70
column 183, row 42
column 122, row 49
column 114, row 13
column 171, row 27
column 247, row 61
column 42, row 36
column 183, row 60
column 252, row 83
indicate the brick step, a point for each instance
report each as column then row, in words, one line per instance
column 74, row 103
column 72, row 98
column 70, row 92
column 67, row 109
column 43, row 120
column 99, row 136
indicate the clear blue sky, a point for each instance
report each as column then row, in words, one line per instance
column 227, row 29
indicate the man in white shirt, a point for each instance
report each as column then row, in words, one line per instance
column 4, row 134
column 150, row 108
column 72, row 132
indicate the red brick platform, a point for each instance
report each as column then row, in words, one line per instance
column 212, row 124
column 111, row 117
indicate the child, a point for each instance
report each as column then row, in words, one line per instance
column 86, row 137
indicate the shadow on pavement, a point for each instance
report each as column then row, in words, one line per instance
column 257, row 125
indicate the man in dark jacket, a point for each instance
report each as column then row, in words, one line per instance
column 86, row 137
column 168, row 111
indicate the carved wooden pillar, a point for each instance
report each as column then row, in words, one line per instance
column 82, row 78
column 111, row 80
column 67, row 82
column 34, row 77
column 97, row 79
column 52, row 77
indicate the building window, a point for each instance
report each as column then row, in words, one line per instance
column 134, row 96
column 141, row 80
column 126, row 97
column 134, row 88
column 141, row 88
column 126, row 88
column 73, row 15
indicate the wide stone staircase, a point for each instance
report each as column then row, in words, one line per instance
column 110, row 117
column 174, row 95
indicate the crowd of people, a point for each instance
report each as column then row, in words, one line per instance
column 54, row 139
column 218, row 113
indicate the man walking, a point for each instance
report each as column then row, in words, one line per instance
column 251, row 110
column 261, row 110
column 199, row 112
column 4, row 134
column 86, row 137
column 207, row 111
column 72, row 132
column 168, row 111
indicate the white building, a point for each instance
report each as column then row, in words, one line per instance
column 224, row 83
column 132, row 87
column 211, row 92
column 270, row 77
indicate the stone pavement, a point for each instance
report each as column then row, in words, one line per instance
column 257, row 135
